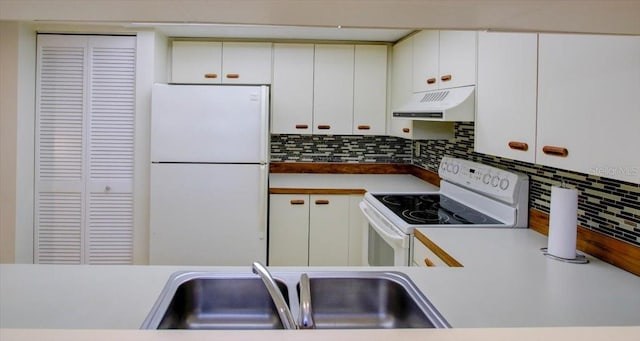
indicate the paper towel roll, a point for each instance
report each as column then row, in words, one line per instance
column 563, row 222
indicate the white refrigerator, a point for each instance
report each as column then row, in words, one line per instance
column 209, row 173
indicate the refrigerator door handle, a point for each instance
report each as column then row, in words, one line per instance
column 264, row 123
column 264, row 178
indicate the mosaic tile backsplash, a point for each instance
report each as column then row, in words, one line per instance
column 608, row 206
column 340, row 148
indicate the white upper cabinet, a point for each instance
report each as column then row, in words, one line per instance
column 333, row 89
column 443, row 59
column 506, row 95
column 370, row 90
column 589, row 104
column 198, row 62
column 246, row 63
column 401, row 85
column 292, row 89
column 426, row 55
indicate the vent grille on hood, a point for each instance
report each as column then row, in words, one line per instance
column 453, row 104
column 435, row 96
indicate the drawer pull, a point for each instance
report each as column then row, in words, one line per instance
column 297, row 202
column 210, row 75
column 431, row 81
column 364, row 127
column 302, row 126
column 324, row 126
column 233, row 75
column 555, row 151
column 518, row 146
column 428, row 262
column 322, row 202
column 406, row 130
column 446, row 78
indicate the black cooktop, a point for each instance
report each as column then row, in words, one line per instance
column 433, row 209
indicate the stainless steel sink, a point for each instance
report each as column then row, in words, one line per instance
column 209, row 301
column 340, row 299
column 380, row 301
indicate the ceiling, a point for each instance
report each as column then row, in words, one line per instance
column 320, row 19
column 273, row 32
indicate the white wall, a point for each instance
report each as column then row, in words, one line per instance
column 17, row 67
column 151, row 67
column 8, row 130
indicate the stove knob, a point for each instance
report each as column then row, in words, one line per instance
column 450, row 168
column 504, row 184
column 486, row 178
column 494, row 181
column 444, row 166
column 456, row 169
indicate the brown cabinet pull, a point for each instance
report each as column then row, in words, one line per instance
column 445, row 78
column 233, row 75
column 555, row 151
column 428, row 262
column 297, row 202
column 302, row 126
column 406, row 130
column 364, row 127
column 210, row 75
column 431, row 80
column 324, row 126
column 322, row 202
column 518, row 146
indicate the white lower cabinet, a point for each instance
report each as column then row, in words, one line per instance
column 314, row 229
column 426, row 253
column 423, row 256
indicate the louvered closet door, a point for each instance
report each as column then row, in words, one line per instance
column 84, row 149
column 60, row 105
column 111, row 107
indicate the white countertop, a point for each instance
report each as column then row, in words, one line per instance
column 505, row 282
column 369, row 182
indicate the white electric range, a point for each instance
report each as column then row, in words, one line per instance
column 471, row 195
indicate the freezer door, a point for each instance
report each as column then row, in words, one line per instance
column 209, row 123
column 208, row 214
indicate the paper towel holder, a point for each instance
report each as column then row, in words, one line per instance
column 580, row 259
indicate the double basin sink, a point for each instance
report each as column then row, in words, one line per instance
column 340, row 299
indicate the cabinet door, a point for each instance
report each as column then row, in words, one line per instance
column 425, row 60
column 333, row 89
column 292, row 89
column 289, row 230
column 424, row 257
column 506, row 95
column 457, row 66
column 357, row 228
column 246, row 63
column 196, row 62
column 588, row 104
column 329, row 230
column 401, row 85
column 370, row 90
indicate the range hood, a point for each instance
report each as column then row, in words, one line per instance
column 448, row 105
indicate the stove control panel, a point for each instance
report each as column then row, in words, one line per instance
column 495, row 182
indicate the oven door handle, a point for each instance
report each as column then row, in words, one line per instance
column 386, row 234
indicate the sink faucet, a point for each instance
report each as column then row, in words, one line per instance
column 286, row 317
column 306, row 318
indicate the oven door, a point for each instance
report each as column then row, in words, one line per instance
column 385, row 244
